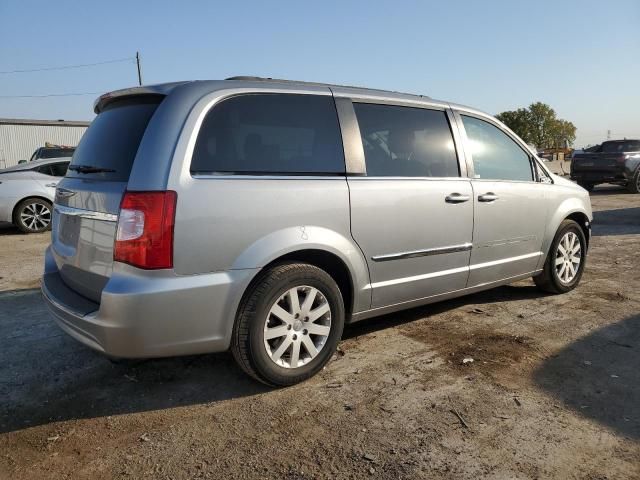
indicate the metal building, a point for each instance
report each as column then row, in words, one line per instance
column 20, row 138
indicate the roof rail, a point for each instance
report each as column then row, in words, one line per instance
column 252, row 78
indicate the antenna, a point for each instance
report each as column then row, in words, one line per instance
column 139, row 68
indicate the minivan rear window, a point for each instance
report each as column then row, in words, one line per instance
column 113, row 138
column 262, row 134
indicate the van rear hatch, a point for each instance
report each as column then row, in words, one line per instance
column 88, row 199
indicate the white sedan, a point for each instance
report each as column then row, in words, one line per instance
column 27, row 192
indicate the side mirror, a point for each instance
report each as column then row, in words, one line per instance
column 21, row 162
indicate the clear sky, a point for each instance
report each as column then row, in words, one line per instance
column 580, row 56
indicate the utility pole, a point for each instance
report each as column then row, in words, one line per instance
column 608, row 132
column 139, row 70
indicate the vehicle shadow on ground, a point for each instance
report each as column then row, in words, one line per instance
column 608, row 189
column 599, row 376
column 506, row 293
column 623, row 221
column 46, row 376
column 9, row 229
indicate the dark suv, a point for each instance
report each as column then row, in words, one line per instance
column 615, row 161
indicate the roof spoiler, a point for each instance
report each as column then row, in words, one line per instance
column 103, row 100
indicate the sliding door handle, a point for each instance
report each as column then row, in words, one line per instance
column 457, row 198
column 488, row 197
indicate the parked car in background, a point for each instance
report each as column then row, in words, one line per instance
column 27, row 192
column 262, row 215
column 56, row 151
column 614, row 161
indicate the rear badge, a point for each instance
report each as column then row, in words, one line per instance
column 64, row 193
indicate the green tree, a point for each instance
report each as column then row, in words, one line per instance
column 539, row 125
column 518, row 121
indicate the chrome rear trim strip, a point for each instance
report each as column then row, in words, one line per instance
column 465, row 247
column 79, row 212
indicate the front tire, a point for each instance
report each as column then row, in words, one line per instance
column 289, row 324
column 33, row 215
column 565, row 262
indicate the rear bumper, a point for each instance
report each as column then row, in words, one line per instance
column 600, row 176
column 149, row 314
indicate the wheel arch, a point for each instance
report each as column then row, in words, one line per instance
column 581, row 219
column 29, row 197
column 330, row 263
column 573, row 208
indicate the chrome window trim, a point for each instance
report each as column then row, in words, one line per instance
column 206, row 176
column 465, row 247
column 79, row 212
column 434, row 179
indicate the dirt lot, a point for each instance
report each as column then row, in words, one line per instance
column 553, row 392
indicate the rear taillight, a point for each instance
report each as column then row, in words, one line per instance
column 145, row 229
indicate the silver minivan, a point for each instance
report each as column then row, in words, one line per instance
column 263, row 215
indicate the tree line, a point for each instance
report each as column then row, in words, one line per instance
column 538, row 125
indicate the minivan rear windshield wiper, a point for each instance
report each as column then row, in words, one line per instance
column 89, row 169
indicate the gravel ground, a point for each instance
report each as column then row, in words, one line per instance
column 553, row 391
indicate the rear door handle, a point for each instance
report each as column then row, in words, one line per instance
column 51, row 185
column 488, row 197
column 456, row 198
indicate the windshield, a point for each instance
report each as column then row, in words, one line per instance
column 111, row 143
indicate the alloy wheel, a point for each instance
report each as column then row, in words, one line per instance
column 297, row 326
column 35, row 216
column 568, row 257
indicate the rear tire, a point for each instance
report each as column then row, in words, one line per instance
column 33, row 215
column 634, row 184
column 587, row 186
column 288, row 325
column 561, row 273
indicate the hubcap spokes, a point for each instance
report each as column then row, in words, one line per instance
column 36, row 216
column 568, row 257
column 297, row 327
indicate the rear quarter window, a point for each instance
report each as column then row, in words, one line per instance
column 270, row 134
column 113, row 138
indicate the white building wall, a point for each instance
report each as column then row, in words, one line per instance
column 18, row 142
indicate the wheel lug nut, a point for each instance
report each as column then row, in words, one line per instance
column 295, row 337
column 288, row 327
column 297, row 315
column 306, row 319
column 305, row 331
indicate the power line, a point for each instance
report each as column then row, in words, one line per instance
column 51, row 95
column 67, row 67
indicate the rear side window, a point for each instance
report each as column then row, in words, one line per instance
column 495, row 155
column 406, row 142
column 270, row 134
column 45, row 170
column 59, row 169
column 113, row 138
